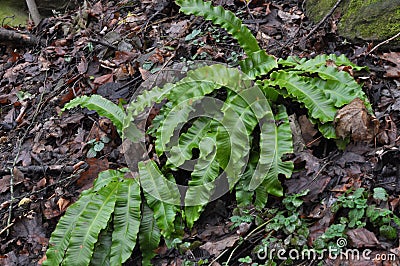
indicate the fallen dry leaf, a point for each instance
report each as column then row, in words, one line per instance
column 388, row 132
column 392, row 71
column 63, row 204
column 104, row 79
column 213, row 231
column 362, row 238
column 82, row 66
column 95, row 167
column 354, row 121
column 288, row 17
column 215, row 248
column 177, row 28
column 308, row 131
column 144, row 73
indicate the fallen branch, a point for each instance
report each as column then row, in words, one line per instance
column 14, row 38
column 384, row 42
column 42, row 169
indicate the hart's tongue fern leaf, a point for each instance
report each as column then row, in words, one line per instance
column 104, row 225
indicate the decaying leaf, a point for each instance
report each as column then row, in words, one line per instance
column 388, row 132
column 362, row 238
column 63, row 204
column 354, row 121
column 215, row 248
column 392, row 71
column 95, row 167
column 177, row 28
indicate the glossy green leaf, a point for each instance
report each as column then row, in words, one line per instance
column 102, row 106
column 162, row 196
column 304, row 90
column 226, row 19
column 61, row 236
column 149, row 235
column 201, row 185
column 188, row 141
column 85, row 207
column 258, row 64
column 279, row 141
column 126, row 221
column 90, row 222
column 102, row 249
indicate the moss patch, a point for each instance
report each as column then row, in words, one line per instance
column 317, row 9
column 13, row 12
column 368, row 20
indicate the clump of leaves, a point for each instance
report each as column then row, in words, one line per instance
column 236, row 133
column 357, row 213
column 285, row 230
column 96, row 146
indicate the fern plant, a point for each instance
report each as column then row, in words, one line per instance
column 223, row 125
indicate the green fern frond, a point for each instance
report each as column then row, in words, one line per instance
column 74, row 240
column 136, row 107
column 279, row 141
column 304, row 90
column 89, row 224
column 177, row 116
column 162, row 196
column 188, row 141
column 340, row 93
column 226, row 19
column 205, row 80
column 233, row 145
column 201, row 185
column 263, row 169
column 102, row 106
column 241, row 114
column 102, row 249
column 126, row 221
column 319, row 60
column 244, row 196
column 60, row 238
column 258, row 64
column 339, row 86
column 327, row 130
column 149, row 235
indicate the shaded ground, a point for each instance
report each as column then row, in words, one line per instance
column 109, row 48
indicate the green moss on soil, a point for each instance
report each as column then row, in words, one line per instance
column 317, row 9
column 371, row 19
column 368, row 20
column 13, row 12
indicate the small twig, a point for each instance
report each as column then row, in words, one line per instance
column 248, row 9
column 28, row 195
column 41, row 169
column 323, row 20
column 384, row 42
column 6, row 228
column 104, row 43
column 245, row 239
column 305, row 186
column 19, row 146
column 14, row 38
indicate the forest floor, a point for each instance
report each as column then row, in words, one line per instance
column 110, row 48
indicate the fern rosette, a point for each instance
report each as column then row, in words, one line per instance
column 211, row 137
column 218, row 129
